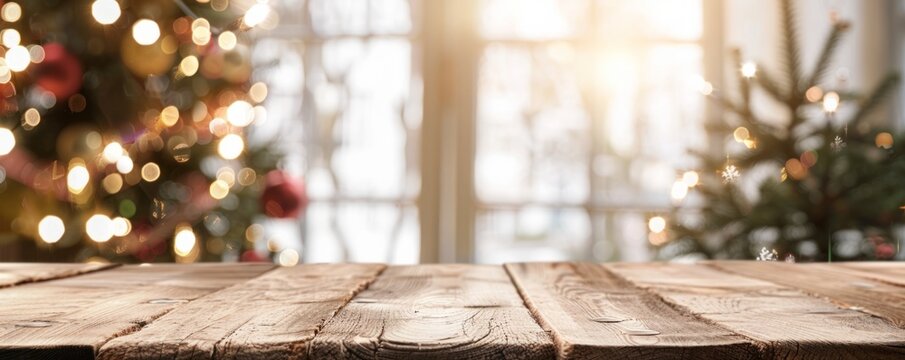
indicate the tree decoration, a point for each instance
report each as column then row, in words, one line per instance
column 839, row 183
column 115, row 143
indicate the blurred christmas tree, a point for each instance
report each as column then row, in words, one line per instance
column 124, row 131
column 821, row 184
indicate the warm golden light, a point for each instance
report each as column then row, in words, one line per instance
column 112, row 152
column 831, row 102
column 231, row 146
column 105, row 12
column 256, row 15
column 150, row 172
column 77, row 178
column 201, row 32
column 121, row 226
column 288, row 257
column 7, row 141
column 6, row 73
column 219, row 127
column 813, row 94
column 227, row 40
column 690, row 178
column 219, row 189
column 749, row 69
column 169, row 116
column 247, row 176
column 258, row 92
column 184, row 241
column 99, row 228
column 112, row 183
column 18, row 58
column 189, row 65
column 145, row 32
column 11, row 12
column 741, row 134
column 240, row 113
column 656, row 224
column 679, row 190
column 10, row 37
column 884, row 140
column 124, row 164
column 31, row 117
column 228, row 175
column 51, row 229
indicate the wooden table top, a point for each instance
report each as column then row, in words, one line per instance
column 724, row 309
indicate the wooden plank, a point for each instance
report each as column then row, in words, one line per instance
column 791, row 323
column 269, row 317
column 436, row 312
column 593, row 314
column 831, row 282
column 72, row 317
column 892, row 272
column 12, row 274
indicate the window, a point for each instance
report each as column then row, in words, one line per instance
column 549, row 128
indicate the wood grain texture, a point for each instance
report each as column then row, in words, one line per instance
column 568, row 298
column 892, row 272
column 269, row 317
column 435, row 312
column 72, row 317
column 12, row 274
column 831, row 282
column 791, row 323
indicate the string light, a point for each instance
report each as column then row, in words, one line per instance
column 184, row 241
column 31, row 117
column 99, row 228
column 679, row 190
column 231, row 146
column 18, row 58
column 288, row 257
column 831, row 102
column 11, row 12
column 10, row 37
column 121, row 226
column 749, row 69
column 258, row 92
column 7, row 141
column 112, row 152
column 189, row 65
column 124, row 165
column 169, row 116
column 150, row 172
column 77, row 178
column 656, row 224
column 240, row 113
column 256, row 15
column 227, row 40
column 201, row 31
column 145, row 32
column 105, row 12
column 51, row 229
column 690, row 178
column 219, row 189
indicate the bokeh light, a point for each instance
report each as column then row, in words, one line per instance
column 105, row 12
column 18, row 58
column 145, row 32
column 231, row 146
column 99, row 228
column 51, row 229
column 77, row 178
column 7, row 141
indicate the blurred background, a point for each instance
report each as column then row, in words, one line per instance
column 482, row 131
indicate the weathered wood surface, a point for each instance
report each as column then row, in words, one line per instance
column 270, row 317
column 437, row 312
column 518, row 311
column 594, row 314
column 834, row 283
column 19, row 273
column 73, row 317
column 788, row 322
column 889, row 272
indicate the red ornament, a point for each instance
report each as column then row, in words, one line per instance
column 60, row 73
column 283, row 196
column 253, row 256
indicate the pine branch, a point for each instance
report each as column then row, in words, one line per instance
column 876, row 98
column 790, row 48
column 826, row 55
column 766, row 81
